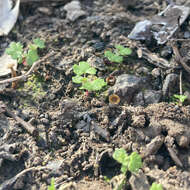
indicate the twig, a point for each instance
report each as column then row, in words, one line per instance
column 178, row 57
column 155, row 59
column 25, row 76
column 10, row 182
column 27, row 126
column 180, row 83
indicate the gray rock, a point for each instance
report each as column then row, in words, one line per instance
column 153, row 146
column 165, row 24
column 139, row 182
column 186, row 34
column 152, row 96
column 147, row 97
column 126, row 87
column 139, row 99
column 169, row 84
column 74, row 10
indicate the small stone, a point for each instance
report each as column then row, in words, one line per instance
column 45, row 121
column 99, row 46
column 166, row 52
column 139, row 181
column 186, row 34
column 45, row 10
column 139, row 99
column 152, row 96
column 156, row 72
column 74, row 10
column 153, row 147
column 170, row 84
column 126, row 87
column 183, row 141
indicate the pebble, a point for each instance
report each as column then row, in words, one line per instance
column 166, row 52
column 45, row 10
column 44, row 121
column 186, row 34
column 126, row 87
column 74, row 10
column 156, row 72
column 152, row 96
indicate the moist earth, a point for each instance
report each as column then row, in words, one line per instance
column 72, row 134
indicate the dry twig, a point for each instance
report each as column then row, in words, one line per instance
column 178, row 57
column 27, row 126
column 25, row 76
column 180, row 83
column 10, row 182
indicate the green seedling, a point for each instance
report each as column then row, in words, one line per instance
column 156, row 186
column 113, row 57
column 123, row 51
column 106, row 179
column 52, row 185
column 179, row 98
column 85, row 75
column 130, row 163
column 120, row 52
column 15, row 50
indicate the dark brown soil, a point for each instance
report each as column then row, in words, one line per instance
column 78, row 133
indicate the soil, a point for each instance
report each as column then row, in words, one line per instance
column 77, row 132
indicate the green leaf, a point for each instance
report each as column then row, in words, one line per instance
column 124, row 169
column 87, row 85
column 106, row 179
column 32, row 47
column 91, row 71
column 108, row 54
column 52, row 186
column 181, row 98
column 117, row 58
column 97, row 84
column 156, row 186
column 120, row 155
column 123, row 51
column 119, row 47
column 39, row 43
column 31, row 56
column 15, row 50
column 135, row 162
column 113, row 57
column 77, row 79
column 81, row 68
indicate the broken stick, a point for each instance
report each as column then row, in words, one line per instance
column 27, row 126
column 178, row 57
column 25, row 76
